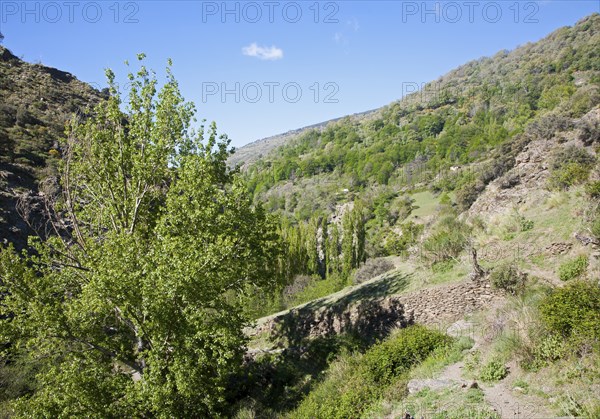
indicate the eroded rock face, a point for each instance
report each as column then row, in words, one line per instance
column 527, row 180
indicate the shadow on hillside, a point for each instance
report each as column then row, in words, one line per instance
column 367, row 311
column 392, row 283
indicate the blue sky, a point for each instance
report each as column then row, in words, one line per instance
column 282, row 64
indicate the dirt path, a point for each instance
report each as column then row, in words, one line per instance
column 500, row 396
column 504, row 401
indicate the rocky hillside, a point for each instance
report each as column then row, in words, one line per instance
column 35, row 103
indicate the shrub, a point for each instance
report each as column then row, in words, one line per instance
column 396, row 355
column 570, row 166
column 468, row 194
column 592, row 189
column 447, row 241
column 398, row 244
column 24, row 117
column 494, row 370
column 568, row 175
column 443, row 266
column 573, row 268
column 551, row 348
column 372, row 268
column 548, row 125
column 508, row 278
column 354, row 382
column 572, row 311
column 525, row 224
column 589, row 131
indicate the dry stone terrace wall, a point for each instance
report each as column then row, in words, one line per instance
column 448, row 303
column 375, row 317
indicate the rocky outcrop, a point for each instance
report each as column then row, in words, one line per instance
column 527, row 181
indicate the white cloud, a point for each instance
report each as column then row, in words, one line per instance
column 263, row 53
column 339, row 38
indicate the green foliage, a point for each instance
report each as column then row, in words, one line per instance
column 447, row 241
column 397, row 354
column 508, row 278
column 573, row 268
column 494, row 370
column 468, row 194
column 163, row 242
column 317, row 288
column 592, row 189
column 551, row 347
column 353, row 239
column 525, row 224
column 398, row 244
column 572, row 311
column 570, row 166
column 568, row 175
column 554, row 95
column 355, row 382
column 278, row 382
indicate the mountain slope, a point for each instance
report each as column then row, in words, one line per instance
column 489, row 176
column 458, row 119
column 249, row 153
column 35, row 103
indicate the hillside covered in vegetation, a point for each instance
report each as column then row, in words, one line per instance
column 438, row 257
column 485, row 174
column 35, row 103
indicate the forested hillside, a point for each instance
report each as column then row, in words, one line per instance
column 442, row 145
column 455, row 120
column 480, row 189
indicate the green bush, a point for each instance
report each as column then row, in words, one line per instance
column 508, row 278
column 494, row 370
column 525, row 224
column 468, row 194
column 354, row 382
column 568, row 175
column 447, row 241
column 551, row 348
column 570, row 166
column 592, row 189
column 572, row 311
column 398, row 244
column 573, row 268
column 397, row 354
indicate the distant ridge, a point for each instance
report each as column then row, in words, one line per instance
column 251, row 152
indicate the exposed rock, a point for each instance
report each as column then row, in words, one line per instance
column 558, row 248
column 526, row 181
column 585, row 240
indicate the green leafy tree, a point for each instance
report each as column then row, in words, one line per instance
column 133, row 308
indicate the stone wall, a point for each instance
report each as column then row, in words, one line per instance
column 375, row 317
